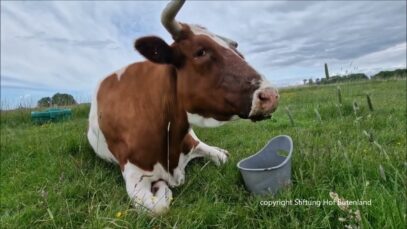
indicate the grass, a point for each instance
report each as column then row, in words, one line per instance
column 50, row 177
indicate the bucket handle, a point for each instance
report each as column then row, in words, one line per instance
column 274, row 167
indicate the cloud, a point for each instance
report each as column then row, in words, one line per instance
column 60, row 45
column 68, row 44
column 45, row 39
column 332, row 30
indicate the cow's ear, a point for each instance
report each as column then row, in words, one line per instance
column 155, row 49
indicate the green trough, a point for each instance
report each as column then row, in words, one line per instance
column 50, row 115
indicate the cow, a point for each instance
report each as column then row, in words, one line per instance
column 141, row 116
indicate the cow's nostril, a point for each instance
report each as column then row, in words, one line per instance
column 263, row 96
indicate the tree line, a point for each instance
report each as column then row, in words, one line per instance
column 59, row 99
column 398, row 73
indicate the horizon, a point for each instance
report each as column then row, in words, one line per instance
column 30, row 102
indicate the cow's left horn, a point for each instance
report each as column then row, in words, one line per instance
column 168, row 18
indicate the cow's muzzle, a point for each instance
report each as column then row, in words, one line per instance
column 264, row 103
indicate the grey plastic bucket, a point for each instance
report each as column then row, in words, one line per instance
column 267, row 171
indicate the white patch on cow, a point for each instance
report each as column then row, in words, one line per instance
column 217, row 155
column 120, row 72
column 139, row 183
column 179, row 171
column 139, row 188
column 202, row 121
column 255, row 109
column 193, row 135
column 198, row 30
column 95, row 136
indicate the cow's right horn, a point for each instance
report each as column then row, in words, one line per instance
column 168, row 18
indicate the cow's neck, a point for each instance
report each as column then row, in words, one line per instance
column 176, row 120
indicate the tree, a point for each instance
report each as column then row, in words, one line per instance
column 44, row 102
column 389, row 74
column 310, row 81
column 356, row 76
column 305, row 81
column 61, row 99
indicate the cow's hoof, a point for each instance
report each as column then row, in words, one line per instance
column 220, row 157
column 161, row 201
column 179, row 177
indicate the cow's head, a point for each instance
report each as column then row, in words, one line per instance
column 213, row 79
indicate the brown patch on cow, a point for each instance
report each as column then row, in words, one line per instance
column 188, row 144
column 134, row 115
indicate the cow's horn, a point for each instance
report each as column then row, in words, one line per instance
column 168, row 18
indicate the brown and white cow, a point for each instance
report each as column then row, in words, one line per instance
column 140, row 116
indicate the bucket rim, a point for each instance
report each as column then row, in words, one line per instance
column 270, row 168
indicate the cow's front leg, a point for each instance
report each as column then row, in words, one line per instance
column 144, row 194
column 217, row 155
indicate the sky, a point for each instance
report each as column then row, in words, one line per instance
column 69, row 46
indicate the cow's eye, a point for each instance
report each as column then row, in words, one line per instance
column 200, row 53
